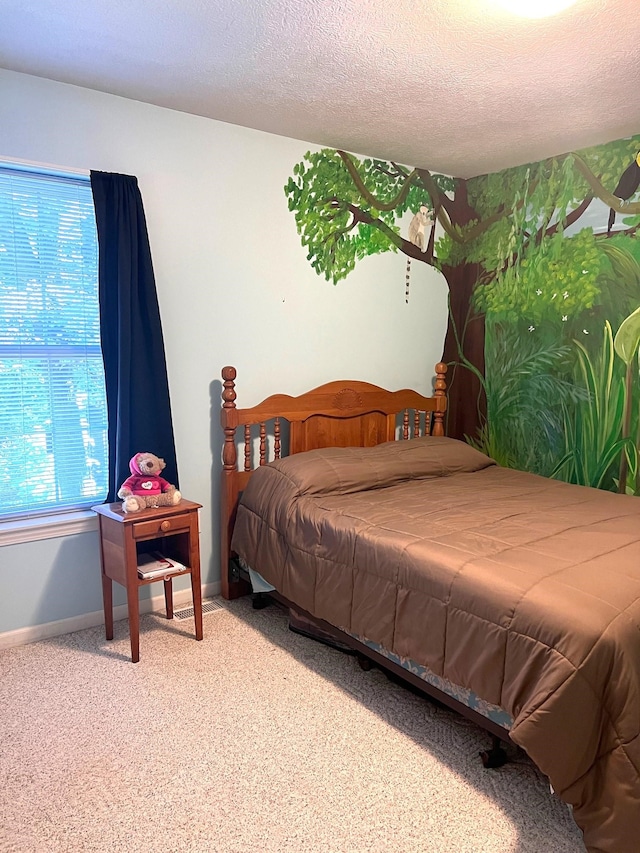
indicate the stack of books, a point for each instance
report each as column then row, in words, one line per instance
column 157, row 565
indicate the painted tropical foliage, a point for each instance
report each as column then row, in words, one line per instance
column 543, row 267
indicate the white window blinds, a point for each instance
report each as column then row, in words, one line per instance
column 53, row 420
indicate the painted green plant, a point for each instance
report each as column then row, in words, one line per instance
column 526, row 380
column 593, row 427
column 627, row 346
column 564, row 288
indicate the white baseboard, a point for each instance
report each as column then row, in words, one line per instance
column 33, row 633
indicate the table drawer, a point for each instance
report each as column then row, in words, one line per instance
column 161, row 527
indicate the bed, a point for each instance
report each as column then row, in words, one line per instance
column 510, row 597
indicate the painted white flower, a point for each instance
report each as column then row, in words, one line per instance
column 565, row 295
column 532, row 328
column 564, row 318
column 585, row 332
column 538, row 292
column 584, row 272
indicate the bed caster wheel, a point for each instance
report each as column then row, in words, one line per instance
column 494, row 757
column 260, row 601
column 364, row 663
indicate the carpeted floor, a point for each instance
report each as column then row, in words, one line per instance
column 255, row 739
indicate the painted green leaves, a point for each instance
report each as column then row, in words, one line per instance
column 594, row 438
column 627, row 344
column 347, row 209
column 555, row 282
column 627, row 339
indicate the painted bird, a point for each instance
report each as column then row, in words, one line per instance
column 627, row 185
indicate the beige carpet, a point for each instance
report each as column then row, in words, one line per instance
column 255, row 739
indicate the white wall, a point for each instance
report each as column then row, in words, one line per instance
column 234, row 287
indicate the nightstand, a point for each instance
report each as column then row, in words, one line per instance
column 124, row 536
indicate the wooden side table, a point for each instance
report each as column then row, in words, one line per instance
column 124, row 536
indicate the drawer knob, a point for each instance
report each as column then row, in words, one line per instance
column 166, row 525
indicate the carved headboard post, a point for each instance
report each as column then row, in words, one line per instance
column 440, row 393
column 229, row 453
column 230, row 484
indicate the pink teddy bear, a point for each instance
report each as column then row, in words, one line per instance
column 145, row 487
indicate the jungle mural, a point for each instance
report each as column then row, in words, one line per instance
column 542, row 263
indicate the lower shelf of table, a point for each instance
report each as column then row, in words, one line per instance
column 168, row 577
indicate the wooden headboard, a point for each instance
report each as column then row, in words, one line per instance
column 338, row 414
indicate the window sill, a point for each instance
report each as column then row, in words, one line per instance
column 47, row 527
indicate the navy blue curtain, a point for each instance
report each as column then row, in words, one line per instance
column 138, row 404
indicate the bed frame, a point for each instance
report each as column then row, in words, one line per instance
column 338, row 414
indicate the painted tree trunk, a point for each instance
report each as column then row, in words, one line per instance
column 463, row 351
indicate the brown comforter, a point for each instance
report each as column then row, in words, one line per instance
column 523, row 589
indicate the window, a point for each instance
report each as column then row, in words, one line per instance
column 53, row 416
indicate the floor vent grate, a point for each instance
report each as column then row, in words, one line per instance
column 208, row 606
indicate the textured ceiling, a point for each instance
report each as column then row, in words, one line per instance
column 457, row 86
